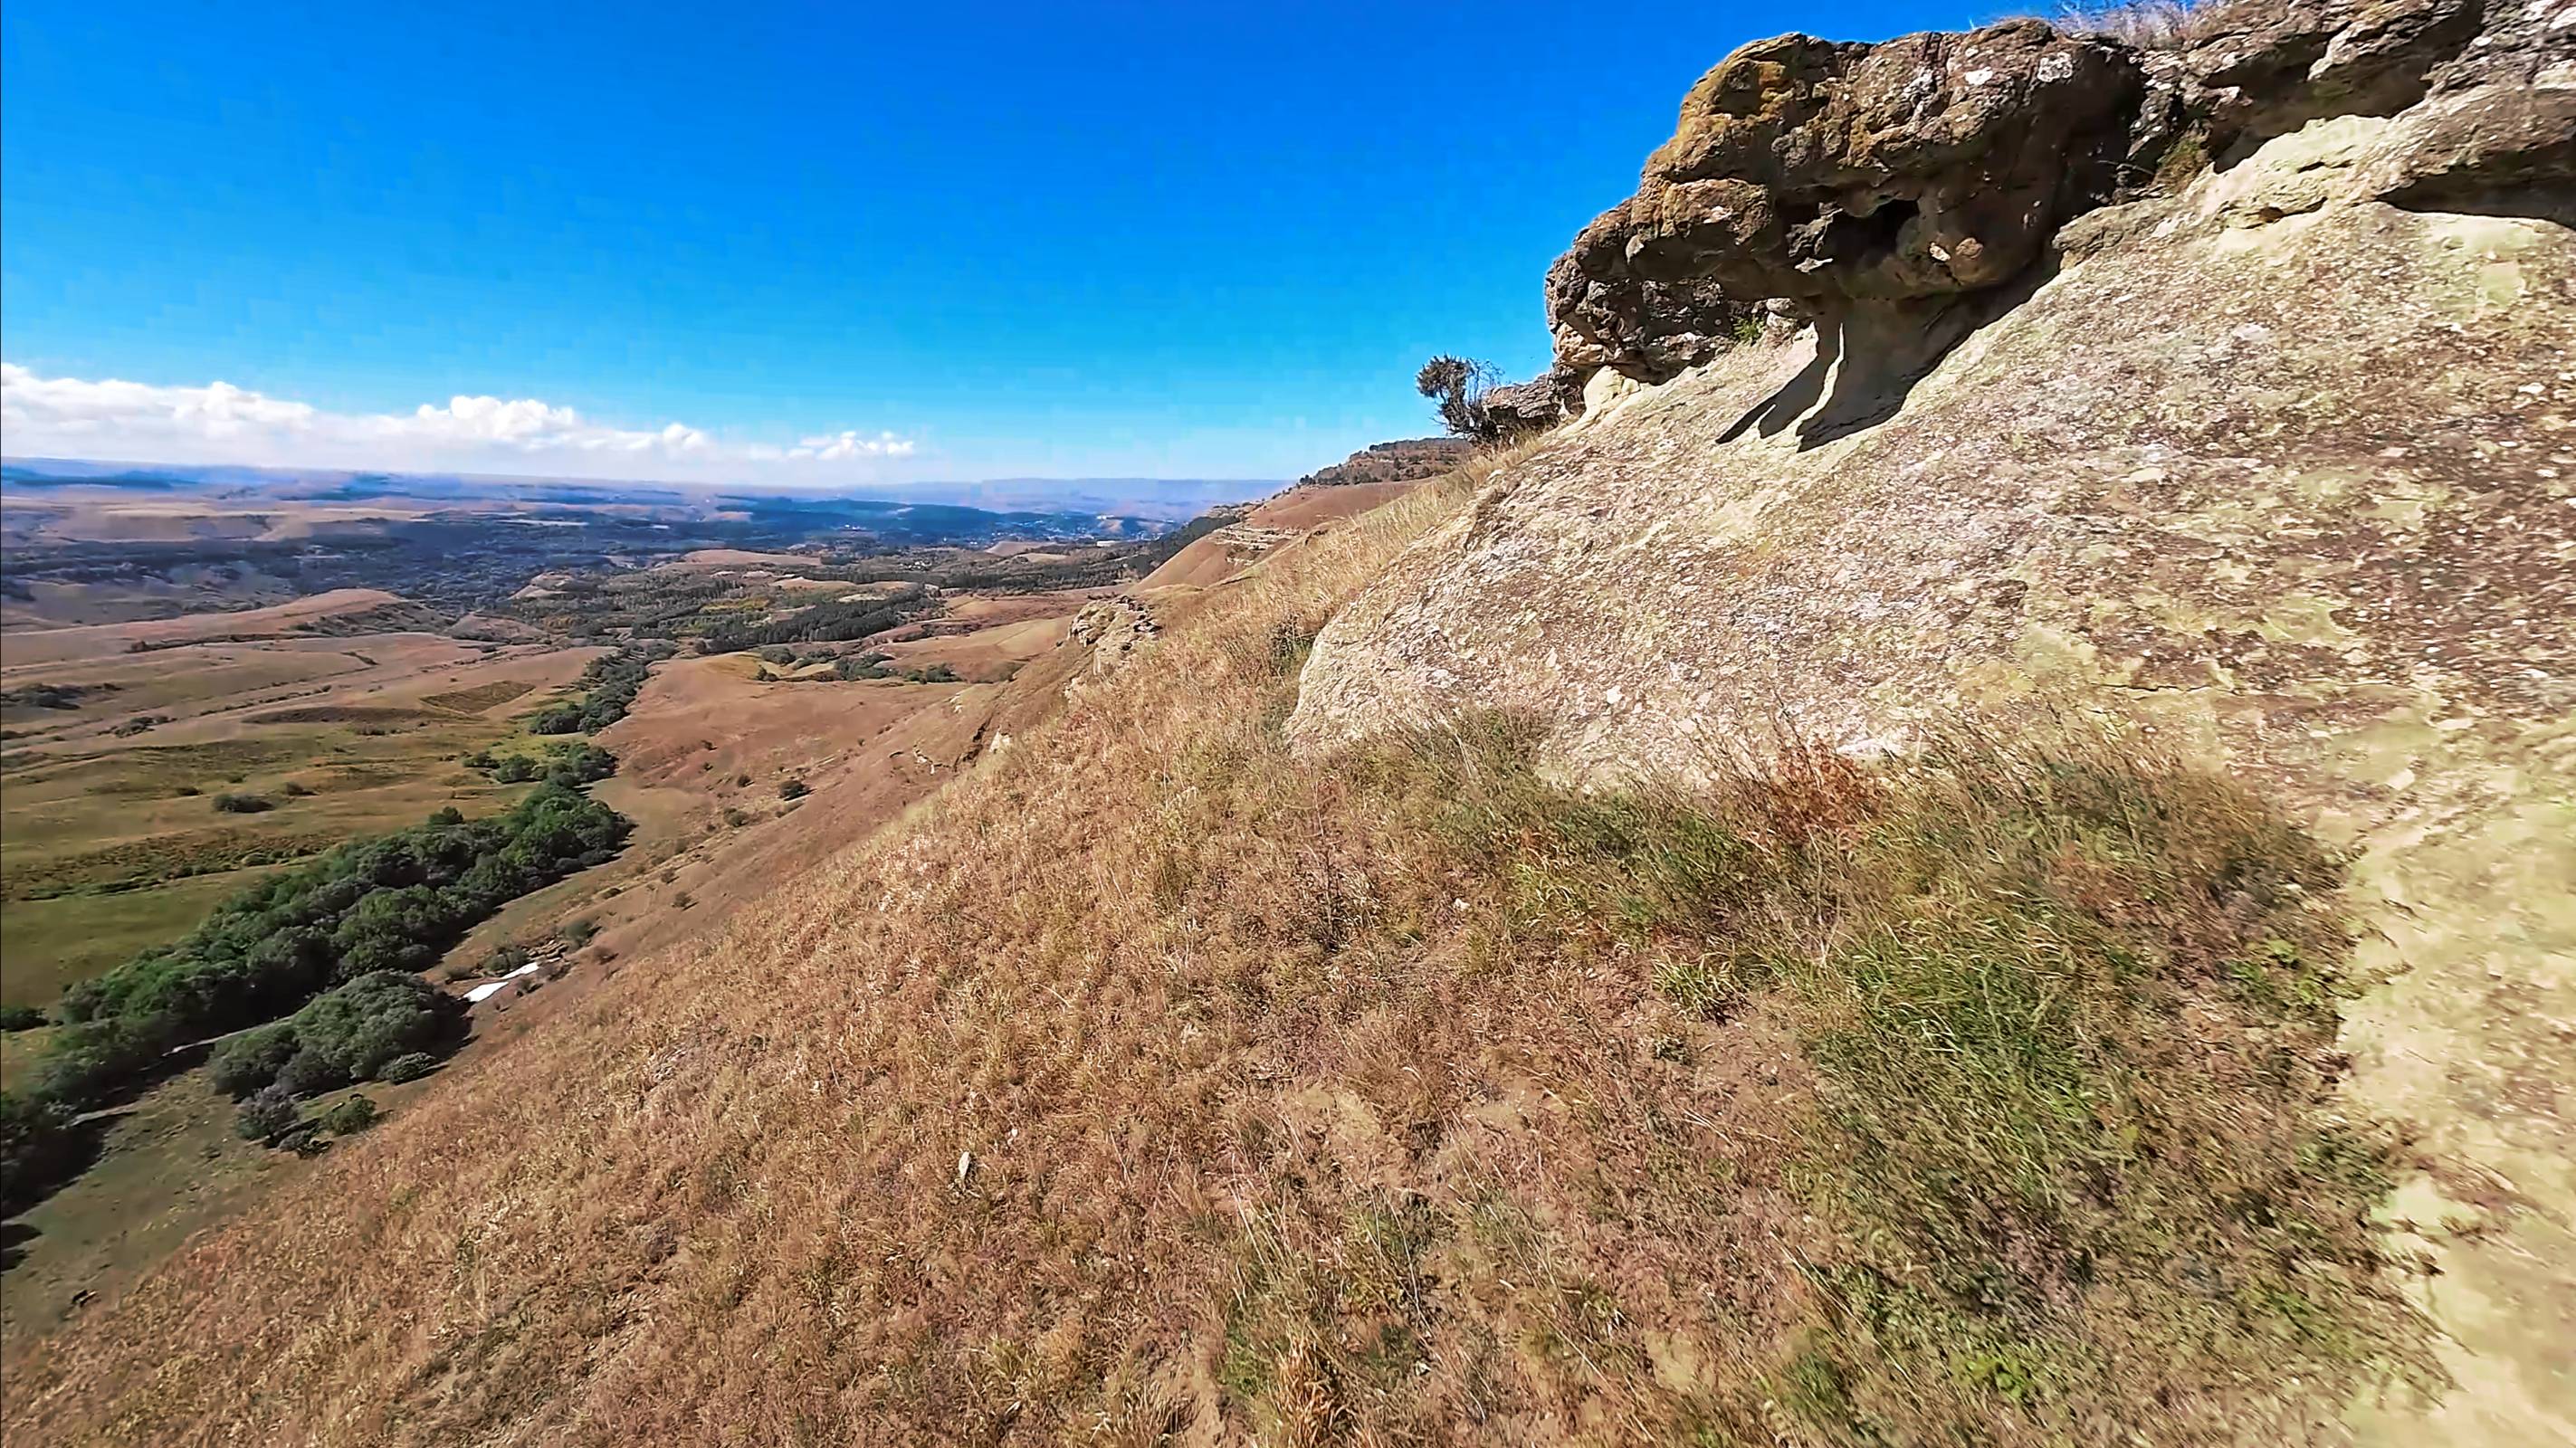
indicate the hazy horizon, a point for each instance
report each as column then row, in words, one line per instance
column 1162, row 498
column 808, row 249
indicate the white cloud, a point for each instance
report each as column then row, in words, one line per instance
column 221, row 423
column 832, row 447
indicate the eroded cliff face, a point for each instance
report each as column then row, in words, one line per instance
column 2277, row 461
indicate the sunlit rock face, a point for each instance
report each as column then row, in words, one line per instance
column 1846, row 176
column 1900, row 194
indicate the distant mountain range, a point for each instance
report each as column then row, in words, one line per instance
column 1141, row 500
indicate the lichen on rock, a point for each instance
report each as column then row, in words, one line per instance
column 1867, row 183
column 1899, row 193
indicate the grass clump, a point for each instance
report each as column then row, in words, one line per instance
column 2069, row 1019
column 350, row 1116
column 2146, row 24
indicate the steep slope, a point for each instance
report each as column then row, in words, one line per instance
column 1222, row 554
column 1407, row 460
column 1768, row 921
column 2280, row 464
column 1155, row 1087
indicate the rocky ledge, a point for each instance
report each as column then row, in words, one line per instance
column 1897, row 193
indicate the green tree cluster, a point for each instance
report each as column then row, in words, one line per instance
column 610, row 685
column 388, row 905
column 350, row 1033
column 822, row 623
column 570, row 765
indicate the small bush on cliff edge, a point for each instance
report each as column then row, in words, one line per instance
column 1457, row 387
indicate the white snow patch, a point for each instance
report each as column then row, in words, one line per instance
column 491, row 988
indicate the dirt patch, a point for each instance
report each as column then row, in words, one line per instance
column 480, row 698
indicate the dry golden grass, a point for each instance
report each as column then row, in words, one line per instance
column 2146, row 24
column 1156, row 1084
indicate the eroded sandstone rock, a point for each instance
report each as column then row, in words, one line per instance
column 1525, row 407
column 2268, row 67
column 1897, row 192
column 1850, row 178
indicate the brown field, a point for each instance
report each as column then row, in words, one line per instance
column 992, row 652
column 22, row 650
column 481, row 699
column 979, row 612
column 742, row 558
column 157, row 684
column 1314, row 507
column 189, row 590
column 116, row 515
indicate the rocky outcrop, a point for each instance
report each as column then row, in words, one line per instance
column 1111, row 632
column 1403, row 460
column 2265, row 69
column 2272, row 461
column 1602, row 314
column 1897, row 193
column 1526, row 407
column 1870, row 184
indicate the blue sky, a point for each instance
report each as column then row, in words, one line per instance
column 807, row 244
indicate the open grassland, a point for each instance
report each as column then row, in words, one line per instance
column 172, row 683
column 115, row 843
column 44, row 604
column 172, row 1164
column 1160, row 1085
column 994, row 651
column 49, row 944
column 711, row 748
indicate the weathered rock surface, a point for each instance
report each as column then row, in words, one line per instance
column 2278, row 468
column 2264, row 68
column 1113, row 631
column 1846, row 177
column 1894, row 192
column 1523, row 407
column 1602, row 314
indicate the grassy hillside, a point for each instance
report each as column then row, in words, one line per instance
column 1157, row 1084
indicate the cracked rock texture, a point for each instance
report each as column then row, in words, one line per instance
column 1870, row 186
column 2276, row 468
